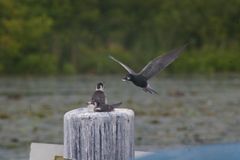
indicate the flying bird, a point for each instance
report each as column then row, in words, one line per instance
column 98, row 101
column 152, row 68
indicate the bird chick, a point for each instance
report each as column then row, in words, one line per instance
column 98, row 101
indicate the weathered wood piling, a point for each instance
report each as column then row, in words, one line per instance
column 99, row 135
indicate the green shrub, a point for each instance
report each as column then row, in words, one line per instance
column 38, row 64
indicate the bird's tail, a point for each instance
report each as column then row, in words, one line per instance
column 150, row 90
column 107, row 107
column 115, row 105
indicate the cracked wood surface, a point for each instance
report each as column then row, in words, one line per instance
column 99, row 135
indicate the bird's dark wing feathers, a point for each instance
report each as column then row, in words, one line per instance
column 123, row 65
column 98, row 97
column 160, row 63
column 116, row 104
column 107, row 107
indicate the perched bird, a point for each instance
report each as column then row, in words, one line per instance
column 106, row 107
column 152, row 68
column 98, row 102
column 98, row 96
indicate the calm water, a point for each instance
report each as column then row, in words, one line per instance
column 188, row 110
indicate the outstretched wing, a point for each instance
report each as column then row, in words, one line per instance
column 160, row 63
column 123, row 65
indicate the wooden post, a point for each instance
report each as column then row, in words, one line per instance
column 99, row 135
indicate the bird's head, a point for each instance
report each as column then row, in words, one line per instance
column 128, row 77
column 99, row 87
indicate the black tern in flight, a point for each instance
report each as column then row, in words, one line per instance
column 152, row 68
column 98, row 102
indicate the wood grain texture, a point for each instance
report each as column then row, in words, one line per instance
column 99, row 135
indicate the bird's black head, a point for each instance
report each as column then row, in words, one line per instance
column 100, row 86
column 128, row 77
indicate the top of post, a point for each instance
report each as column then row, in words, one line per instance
column 84, row 112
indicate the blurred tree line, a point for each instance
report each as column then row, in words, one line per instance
column 75, row 36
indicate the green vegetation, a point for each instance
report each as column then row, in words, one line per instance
column 75, row 36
